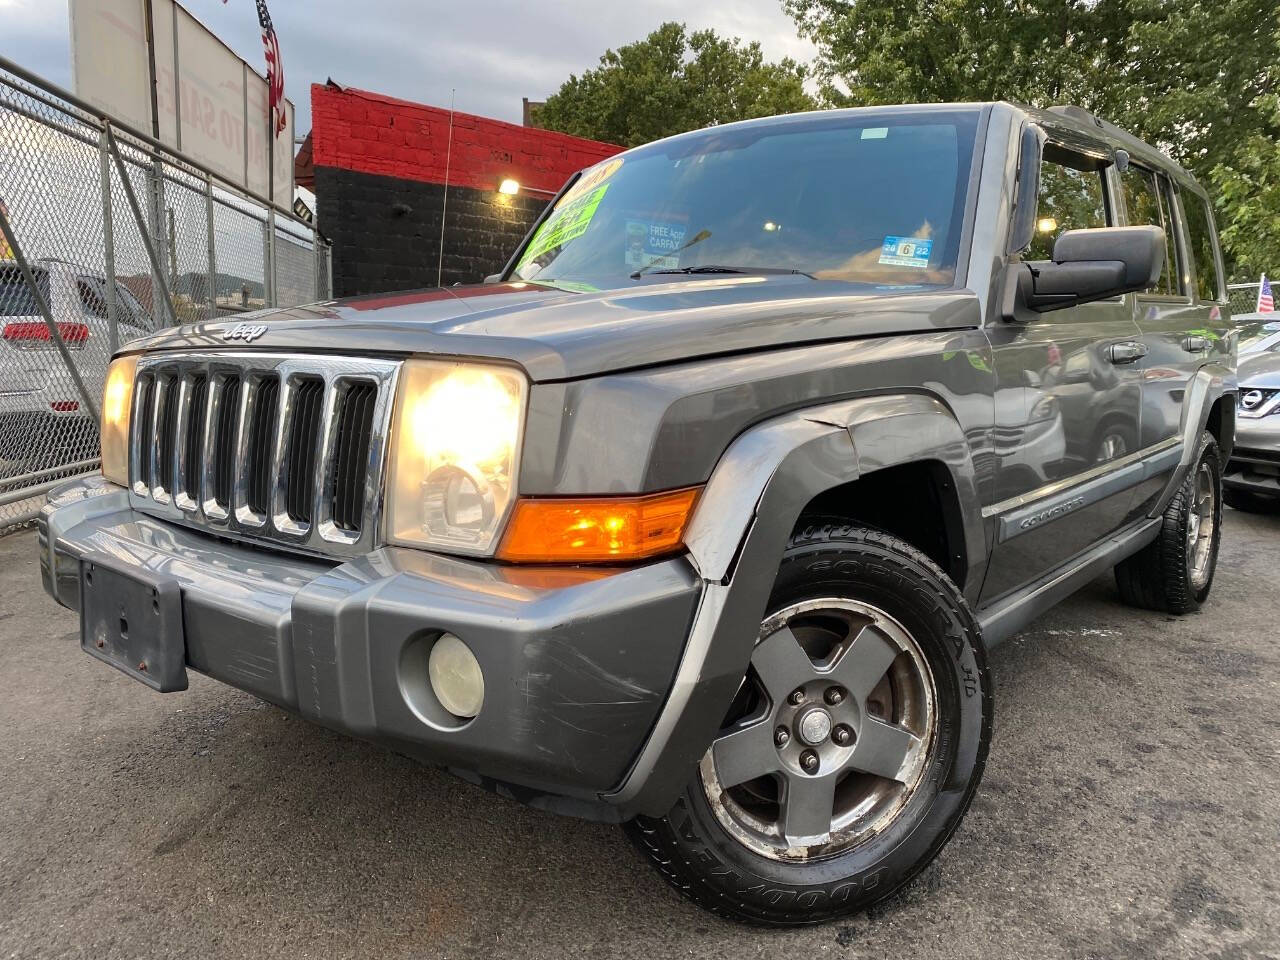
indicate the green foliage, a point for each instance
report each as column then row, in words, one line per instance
column 670, row 82
column 1198, row 78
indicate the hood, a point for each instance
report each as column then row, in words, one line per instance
column 1260, row 370
column 557, row 334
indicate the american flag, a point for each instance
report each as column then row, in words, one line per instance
column 275, row 69
column 1266, row 302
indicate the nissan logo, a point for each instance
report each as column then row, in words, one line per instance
column 1251, row 399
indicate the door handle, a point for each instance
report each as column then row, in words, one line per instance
column 1126, row 352
column 1195, row 344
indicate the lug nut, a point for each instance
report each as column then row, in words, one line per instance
column 781, row 736
column 809, row 761
column 842, row 735
column 796, row 698
column 834, row 695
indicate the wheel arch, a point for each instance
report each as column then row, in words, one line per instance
column 749, row 509
column 1209, row 404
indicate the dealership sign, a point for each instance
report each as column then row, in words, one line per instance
column 211, row 105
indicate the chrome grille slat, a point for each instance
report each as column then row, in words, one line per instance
column 249, row 446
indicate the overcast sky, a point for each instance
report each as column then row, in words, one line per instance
column 493, row 52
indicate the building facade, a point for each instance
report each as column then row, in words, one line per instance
column 379, row 168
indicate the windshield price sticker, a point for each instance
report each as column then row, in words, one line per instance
column 906, row 252
column 651, row 243
column 567, row 223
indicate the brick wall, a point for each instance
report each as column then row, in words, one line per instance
column 379, row 176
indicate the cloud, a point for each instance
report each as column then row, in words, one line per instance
column 493, row 52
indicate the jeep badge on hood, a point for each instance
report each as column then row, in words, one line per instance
column 247, row 332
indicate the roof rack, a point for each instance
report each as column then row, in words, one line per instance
column 1076, row 113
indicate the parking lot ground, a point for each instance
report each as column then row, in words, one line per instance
column 1130, row 808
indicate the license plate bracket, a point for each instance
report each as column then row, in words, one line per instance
column 133, row 623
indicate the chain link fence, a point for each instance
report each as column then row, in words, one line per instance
column 106, row 236
column 1243, row 297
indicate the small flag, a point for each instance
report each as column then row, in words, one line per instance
column 275, row 69
column 1266, row 302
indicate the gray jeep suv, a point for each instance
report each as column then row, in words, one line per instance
column 702, row 515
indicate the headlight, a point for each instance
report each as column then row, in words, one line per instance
column 1043, row 409
column 454, row 455
column 117, row 406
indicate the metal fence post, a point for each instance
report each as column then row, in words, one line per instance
column 109, row 253
column 157, row 269
column 155, row 189
column 271, row 254
column 213, row 247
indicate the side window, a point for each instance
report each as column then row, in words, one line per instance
column 1146, row 195
column 131, row 311
column 92, row 301
column 1200, row 239
column 1070, row 199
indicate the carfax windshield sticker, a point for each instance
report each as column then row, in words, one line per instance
column 654, row 243
column 569, row 221
column 906, row 252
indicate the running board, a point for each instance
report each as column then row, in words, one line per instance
column 1007, row 616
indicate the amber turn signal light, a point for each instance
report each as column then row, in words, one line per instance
column 597, row 529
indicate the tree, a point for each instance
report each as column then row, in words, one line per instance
column 1195, row 77
column 670, row 82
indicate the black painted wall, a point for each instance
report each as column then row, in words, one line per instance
column 385, row 231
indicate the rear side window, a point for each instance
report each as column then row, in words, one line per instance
column 1200, row 239
column 1069, row 199
column 92, row 297
column 16, row 298
column 1146, row 195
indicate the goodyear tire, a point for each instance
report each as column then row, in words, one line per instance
column 853, row 748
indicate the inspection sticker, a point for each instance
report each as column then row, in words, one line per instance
column 906, row 252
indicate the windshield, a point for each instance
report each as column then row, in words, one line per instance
column 875, row 198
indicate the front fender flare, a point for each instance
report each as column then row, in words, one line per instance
column 747, row 512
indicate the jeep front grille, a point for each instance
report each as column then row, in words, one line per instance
column 286, row 450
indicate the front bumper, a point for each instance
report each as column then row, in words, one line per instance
column 1254, row 466
column 577, row 663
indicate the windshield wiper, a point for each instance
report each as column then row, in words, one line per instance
column 716, row 268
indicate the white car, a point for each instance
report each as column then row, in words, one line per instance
column 43, row 421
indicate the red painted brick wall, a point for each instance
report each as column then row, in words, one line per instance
column 371, row 133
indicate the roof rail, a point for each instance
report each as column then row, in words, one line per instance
column 1076, row 113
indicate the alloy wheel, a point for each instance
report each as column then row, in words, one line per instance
column 1201, row 523
column 829, row 735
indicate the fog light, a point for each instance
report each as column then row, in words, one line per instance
column 455, row 674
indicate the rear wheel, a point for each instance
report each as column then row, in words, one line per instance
column 1175, row 571
column 853, row 747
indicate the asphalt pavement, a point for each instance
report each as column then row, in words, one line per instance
column 1130, row 808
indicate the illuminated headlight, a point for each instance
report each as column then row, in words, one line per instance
column 454, row 455
column 117, row 405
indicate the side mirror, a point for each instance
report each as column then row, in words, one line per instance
column 493, row 278
column 1089, row 265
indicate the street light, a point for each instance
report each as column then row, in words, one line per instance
column 509, row 187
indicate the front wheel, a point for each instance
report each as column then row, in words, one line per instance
column 1175, row 571
column 853, row 747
